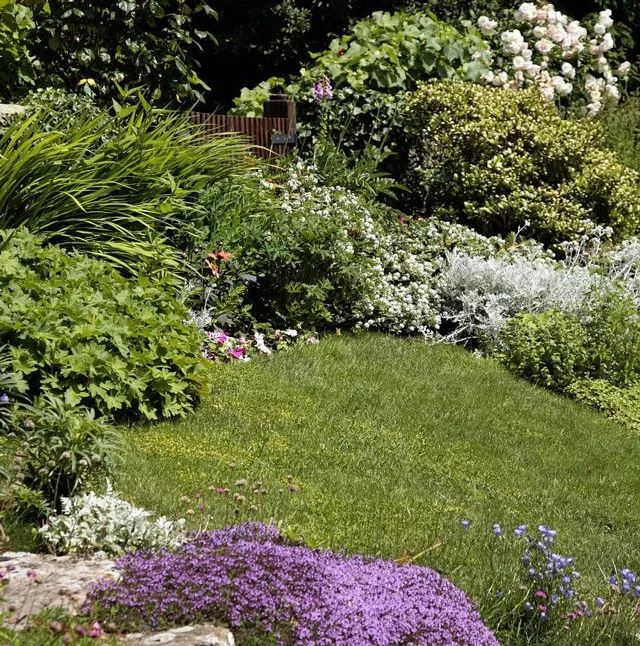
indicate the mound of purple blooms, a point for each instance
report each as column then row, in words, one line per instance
column 250, row 579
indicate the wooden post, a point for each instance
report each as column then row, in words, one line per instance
column 280, row 106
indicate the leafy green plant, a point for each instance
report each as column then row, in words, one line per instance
column 612, row 324
column 548, row 349
column 92, row 45
column 383, row 55
column 62, row 448
column 621, row 126
column 500, row 160
column 594, row 356
column 17, row 65
column 114, row 185
column 619, row 403
column 80, row 331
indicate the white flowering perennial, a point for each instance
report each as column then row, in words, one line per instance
column 396, row 292
column 556, row 53
column 91, row 523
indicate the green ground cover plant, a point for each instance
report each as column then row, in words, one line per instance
column 78, row 330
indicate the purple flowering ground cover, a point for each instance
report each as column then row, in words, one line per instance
column 249, row 578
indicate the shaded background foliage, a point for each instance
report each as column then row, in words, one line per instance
column 168, row 45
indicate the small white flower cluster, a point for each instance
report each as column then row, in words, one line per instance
column 554, row 52
column 395, row 287
column 403, row 296
column 91, row 523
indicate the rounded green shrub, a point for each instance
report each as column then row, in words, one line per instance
column 549, row 349
column 501, row 160
column 77, row 329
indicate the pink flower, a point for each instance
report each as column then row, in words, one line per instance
column 32, row 574
column 96, row 631
column 237, row 353
column 540, row 594
column 219, row 337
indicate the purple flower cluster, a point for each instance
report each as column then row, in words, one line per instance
column 250, row 579
column 552, row 573
column 626, row 582
column 322, row 90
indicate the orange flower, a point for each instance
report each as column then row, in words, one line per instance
column 219, row 254
column 212, row 266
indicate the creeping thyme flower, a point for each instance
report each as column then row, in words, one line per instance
column 248, row 577
column 497, row 530
column 465, row 523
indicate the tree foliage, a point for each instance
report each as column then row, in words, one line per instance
column 86, row 44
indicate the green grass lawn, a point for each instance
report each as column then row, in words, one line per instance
column 391, row 443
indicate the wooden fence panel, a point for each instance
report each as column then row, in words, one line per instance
column 268, row 136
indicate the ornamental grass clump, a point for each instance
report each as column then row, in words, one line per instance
column 249, row 578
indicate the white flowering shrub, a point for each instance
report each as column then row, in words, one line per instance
column 559, row 55
column 92, row 523
column 392, row 260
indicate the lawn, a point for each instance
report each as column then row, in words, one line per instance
column 390, row 443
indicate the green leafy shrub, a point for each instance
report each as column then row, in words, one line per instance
column 622, row 404
column 62, row 448
column 559, row 350
column 18, row 66
column 114, row 185
column 383, row 55
column 499, row 160
column 81, row 44
column 621, row 126
column 612, row 324
column 549, row 349
column 80, row 331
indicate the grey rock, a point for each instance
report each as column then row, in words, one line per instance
column 39, row 581
column 201, row 635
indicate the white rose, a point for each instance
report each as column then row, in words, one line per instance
column 487, row 26
column 548, row 93
column 501, row 79
column 557, row 33
column 533, row 70
column 539, row 31
column 607, row 43
column 594, row 108
column 512, row 42
column 569, row 70
column 624, row 69
column 613, row 92
column 488, row 77
column 544, row 46
column 520, row 64
column 605, row 19
column 600, row 29
column 527, row 12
